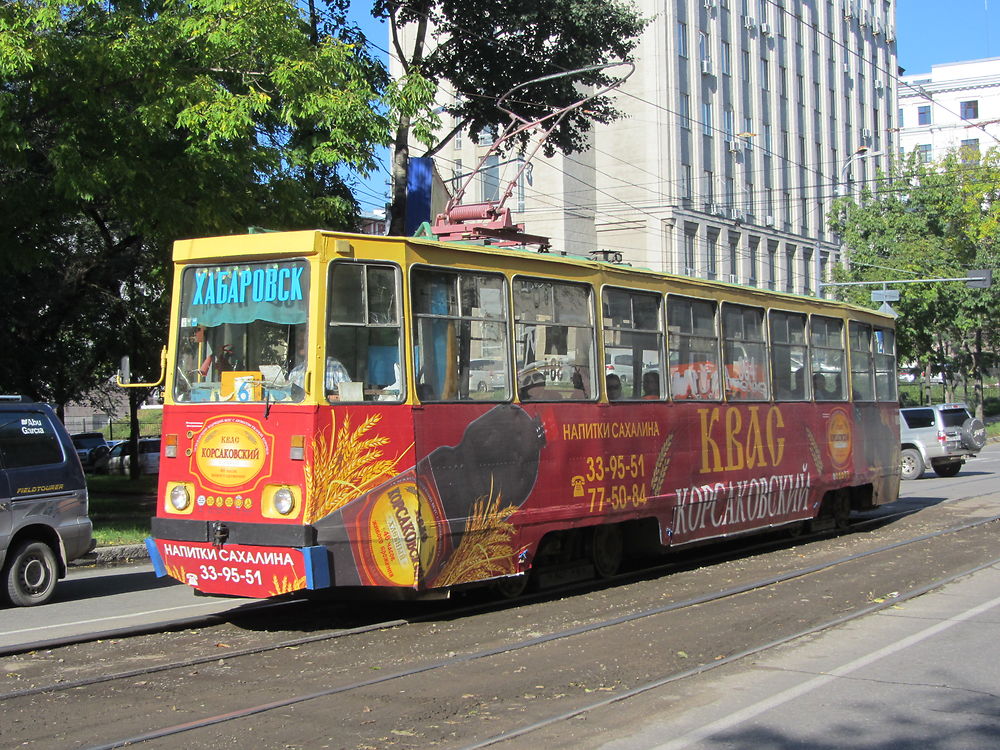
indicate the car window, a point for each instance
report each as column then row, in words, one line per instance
column 918, row 418
column 27, row 438
column 149, row 446
column 954, row 417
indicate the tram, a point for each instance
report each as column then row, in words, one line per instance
column 415, row 415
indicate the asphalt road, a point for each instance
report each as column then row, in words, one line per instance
column 105, row 599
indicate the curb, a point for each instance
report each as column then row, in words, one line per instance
column 113, row 555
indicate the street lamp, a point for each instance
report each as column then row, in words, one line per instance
column 861, row 153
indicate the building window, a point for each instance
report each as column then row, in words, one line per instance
column 706, row 118
column 969, row 151
column 727, row 60
column 491, row 178
column 924, row 114
column 790, row 268
column 923, row 153
column 708, row 191
column 685, row 111
column 687, row 187
column 899, row 117
column 682, row 39
column 729, row 123
column 969, row 110
column 765, row 76
column 711, row 256
column 689, row 242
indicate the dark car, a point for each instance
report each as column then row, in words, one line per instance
column 43, row 502
column 92, row 448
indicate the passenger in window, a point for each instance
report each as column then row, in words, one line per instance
column 335, row 371
column 651, row 385
column 820, row 391
column 614, row 384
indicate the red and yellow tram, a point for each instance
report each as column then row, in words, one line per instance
column 346, row 410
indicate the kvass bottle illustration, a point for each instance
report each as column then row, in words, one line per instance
column 403, row 531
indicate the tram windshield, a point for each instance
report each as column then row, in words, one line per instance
column 238, row 329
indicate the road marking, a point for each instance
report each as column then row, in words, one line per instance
column 791, row 694
column 56, row 626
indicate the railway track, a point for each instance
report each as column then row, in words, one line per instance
column 445, row 664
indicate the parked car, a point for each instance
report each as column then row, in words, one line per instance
column 120, row 457
column 43, row 502
column 487, row 375
column 620, row 365
column 91, row 447
column 942, row 436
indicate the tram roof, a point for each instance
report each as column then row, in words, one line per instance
column 259, row 245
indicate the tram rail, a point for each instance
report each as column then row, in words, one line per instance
column 236, row 713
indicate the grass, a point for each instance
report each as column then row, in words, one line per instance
column 120, row 508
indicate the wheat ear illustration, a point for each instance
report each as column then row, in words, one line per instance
column 662, row 466
column 345, row 467
column 814, row 451
column 485, row 550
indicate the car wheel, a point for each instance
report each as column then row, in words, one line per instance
column 911, row 464
column 973, row 433
column 947, row 468
column 31, row 574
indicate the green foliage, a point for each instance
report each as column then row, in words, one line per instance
column 930, row 221
column 481, row 49
column 127, row 125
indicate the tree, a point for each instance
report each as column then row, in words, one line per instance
column 935, row 220
column 482, row 49
column 125, row 125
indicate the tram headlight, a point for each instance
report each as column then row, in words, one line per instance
column 281, row 501
column 179, row 498
column 284, row 501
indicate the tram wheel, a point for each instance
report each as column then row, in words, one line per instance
column 607, row 549
column 842, row 509
column 511, row 587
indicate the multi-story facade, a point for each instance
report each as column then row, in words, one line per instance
column 744, row 119
column 956, row 105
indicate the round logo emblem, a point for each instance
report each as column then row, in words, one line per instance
column 402, row 533
column 230, row 453
column 838, row 437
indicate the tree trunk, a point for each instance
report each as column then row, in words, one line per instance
column 134, row 399
column 400, row 176
column 977, row 373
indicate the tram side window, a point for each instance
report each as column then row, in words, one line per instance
column 789, row 355
column 744, row 353
column 460, row 336
column 884, row 344
column 694, row 349
column 363, row 352
column 827, row 357
column 633, row 341
column 238, row 333
column 554, row 340
column 862, row 377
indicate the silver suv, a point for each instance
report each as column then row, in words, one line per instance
column 43, row 502
column 941, row 436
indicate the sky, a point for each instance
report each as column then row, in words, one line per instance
column 928, row 32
